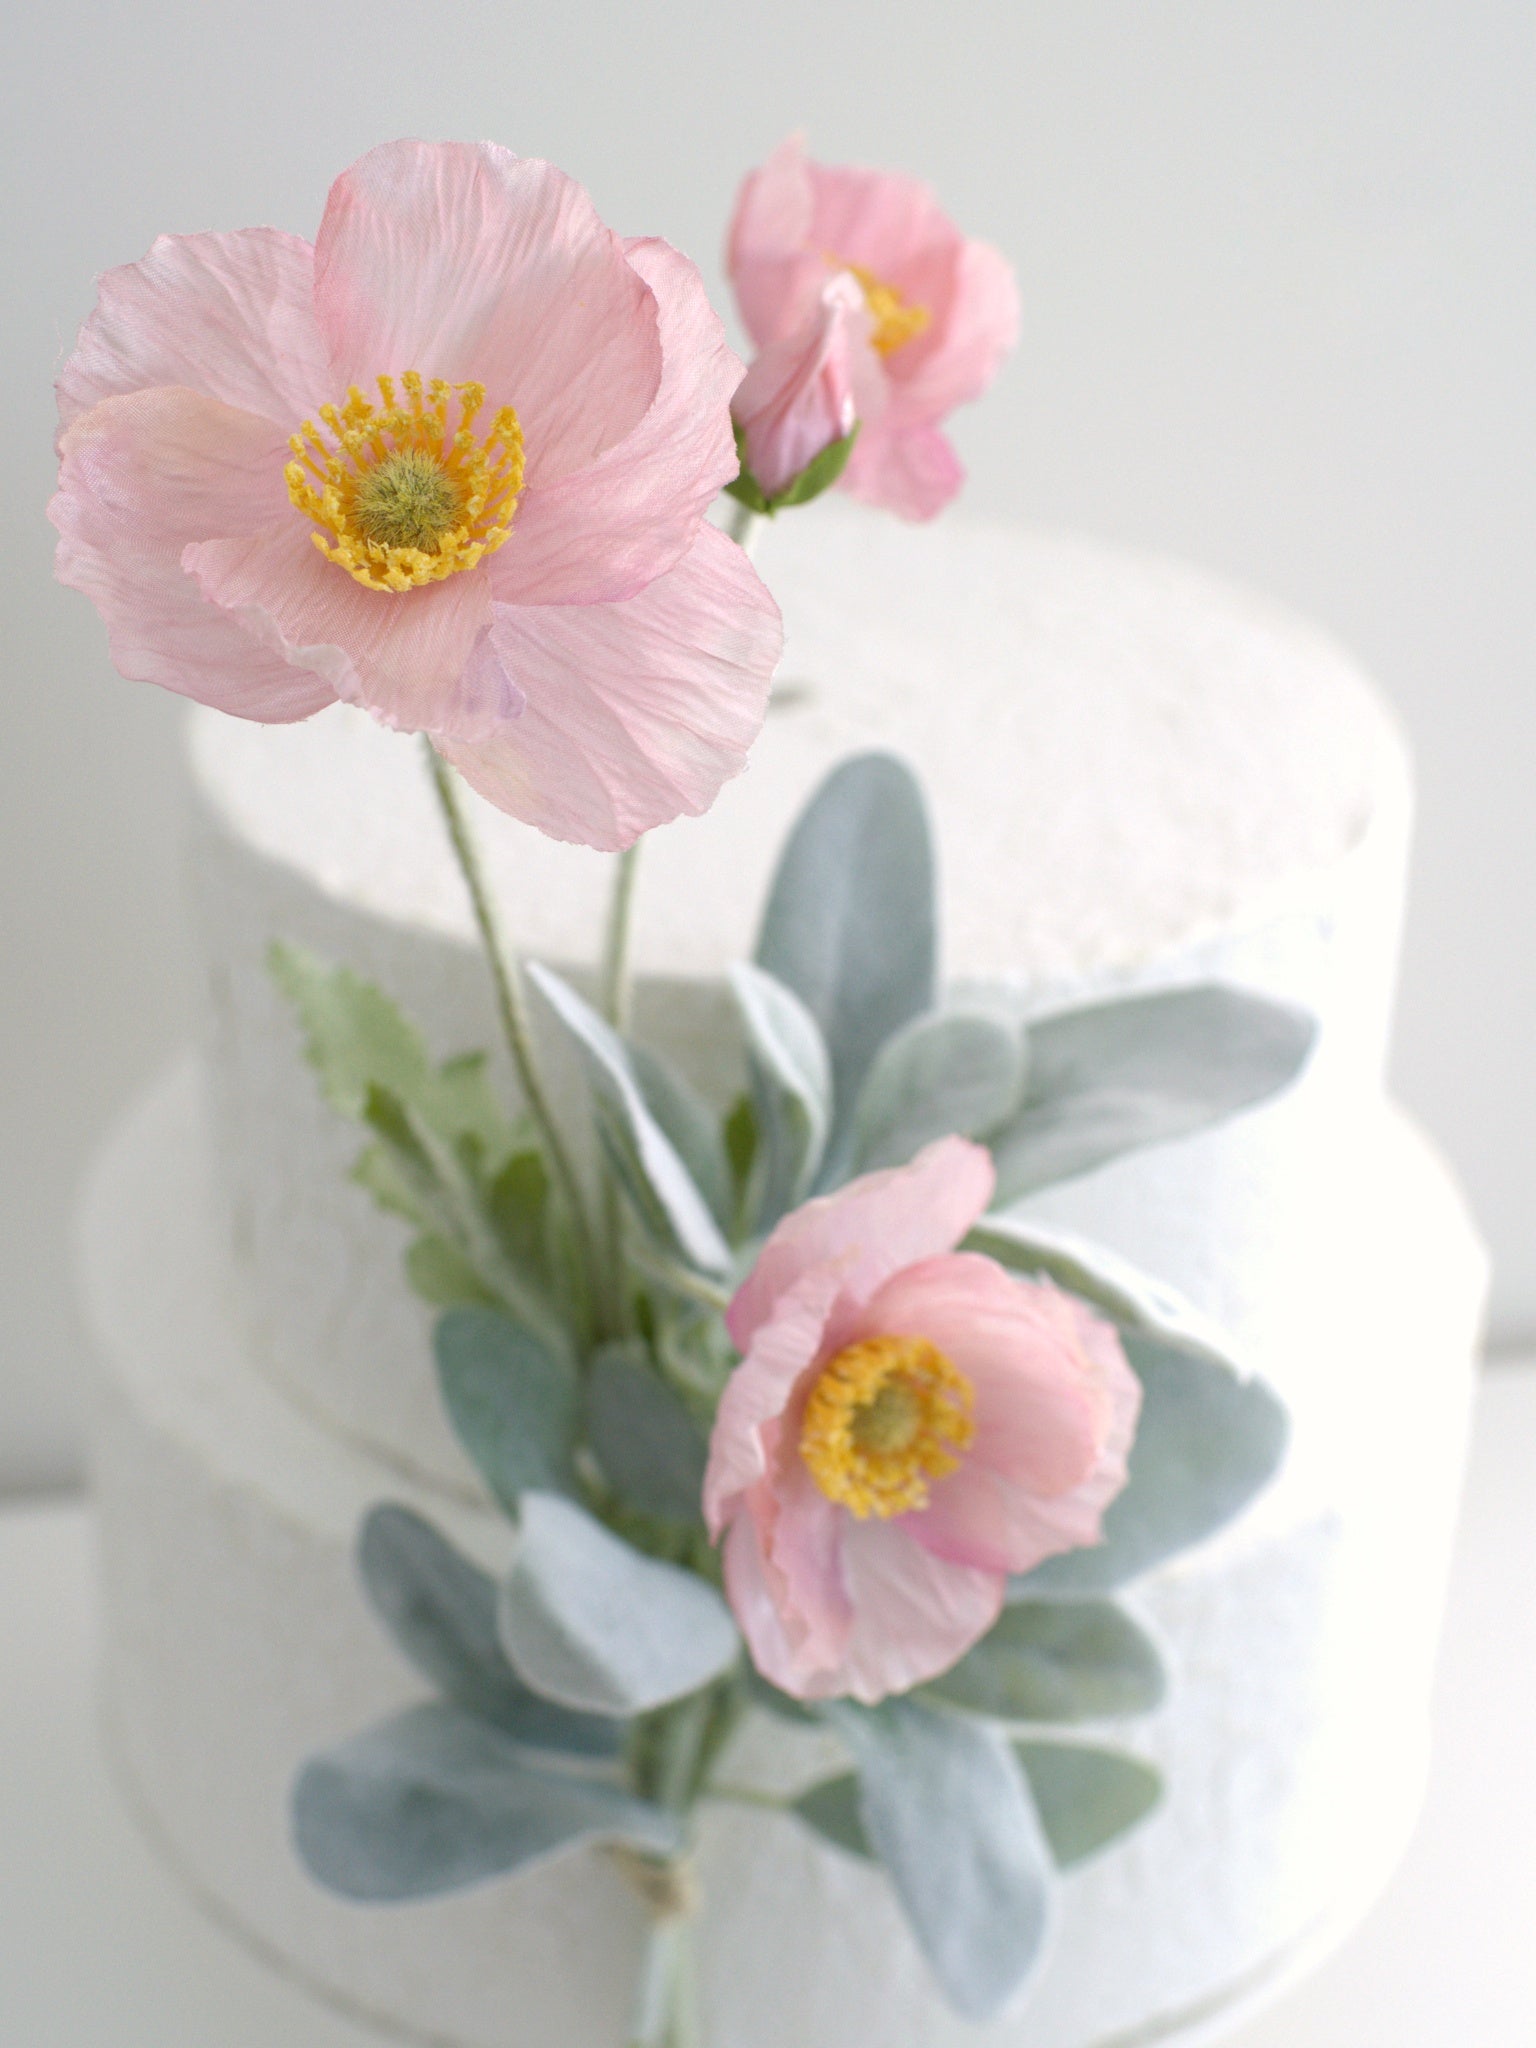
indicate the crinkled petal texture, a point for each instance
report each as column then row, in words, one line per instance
column 796, row 219
column 604, row 668
column 837, row 1606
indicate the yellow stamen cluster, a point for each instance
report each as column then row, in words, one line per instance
column 401, row 500
column 894, row 322
column 886, row 1418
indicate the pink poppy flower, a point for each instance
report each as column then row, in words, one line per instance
column 450, row 464
column 797, row 398
column 942, row 311
column 908, row 1426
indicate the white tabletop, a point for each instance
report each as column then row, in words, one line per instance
column 99, row 1949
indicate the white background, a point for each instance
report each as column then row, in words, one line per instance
column 1280, row 315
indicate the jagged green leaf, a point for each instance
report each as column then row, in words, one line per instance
column 444, row 1277
column 435, row 1799
column 592, row 1624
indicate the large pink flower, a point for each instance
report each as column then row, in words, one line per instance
column 450, row 464
column 942, row 312
column 909, row 1425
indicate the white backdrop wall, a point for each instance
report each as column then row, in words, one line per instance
column 1280, row 316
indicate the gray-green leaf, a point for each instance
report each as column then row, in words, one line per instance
column 434, row 1800
column 791, row 1087
column 1115, row 1076
column 653, row 1175
column 851, row 924
column 1086, row 1798
column 593, row 1624
column 513, row 1402
column 950, row 1072
column 1050, row 1660
column 441, row 1611
column 944, row 1805
column 690, row 1124
column 1206, row 1443
column 647, row 1443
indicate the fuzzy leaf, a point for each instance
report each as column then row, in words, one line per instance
column 441, row 1611
column 1086, row 1798
column 949, row 1072
column 1119, row 1290
column 689, row 1123
column 791, row 1085
column 434, row 1800
column 592, row 1624
column 944, row 1805
column 1048, row 1660
column 1206, row 1443
column 851, row 924
column 647, row 1443
column 653, row 1175
column 444, row 1277
column 1116, row 1076
column 514, row 1403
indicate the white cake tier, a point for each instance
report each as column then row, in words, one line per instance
column 1138, row 776
column 1301, row 1641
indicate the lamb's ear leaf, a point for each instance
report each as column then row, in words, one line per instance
column 791, row 1089
column 1112, row 1285
column 514, row 1403
column 595, row 1625
column 647, row 1163
column 1205, row 1444
column 851, row 924
column 1087, row 1797
column 1057, row 1660
column 647, row 1443
column 945, row 1807
column 434, row 1800
column 691, row 1125
column 951, row 1071
column 441, row 1610
column 1115, row 1076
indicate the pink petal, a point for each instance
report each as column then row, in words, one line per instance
column 758, row 1391
column 228, row 315
column 465, row 262
column 889, row 225
column 636, row 712
column 141, row 476
column 803, row 1546
column 750, row 1594
column 797, row 398
column 914, row 1614
column 405, row 656
column 776, row 269
column 910, row 470
column 600, row 535
column 979, row 326
column 869, row 1229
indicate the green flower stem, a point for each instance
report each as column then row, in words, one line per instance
column 667, row 2006
column 511, row 1002
column 742, row 525
column 616, row 992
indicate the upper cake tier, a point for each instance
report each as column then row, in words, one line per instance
column 1137, row 774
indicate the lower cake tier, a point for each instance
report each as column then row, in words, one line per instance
column 1301, row 1643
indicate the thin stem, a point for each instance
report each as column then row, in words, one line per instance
column 666, row 2009
column 692, row 1286
column 616, row 988
column 511, row 1002
column 742, row 525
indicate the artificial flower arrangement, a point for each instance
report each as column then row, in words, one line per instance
column 790, row 1412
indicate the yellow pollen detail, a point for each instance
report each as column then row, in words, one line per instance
column 895, row 323
column 886, row 1418
column 399, row 497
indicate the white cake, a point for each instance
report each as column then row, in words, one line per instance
column 1138, row 776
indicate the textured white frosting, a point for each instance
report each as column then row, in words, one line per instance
column 1138, row 775
column 237, row 1641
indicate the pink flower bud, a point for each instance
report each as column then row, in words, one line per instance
column 797, row 398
